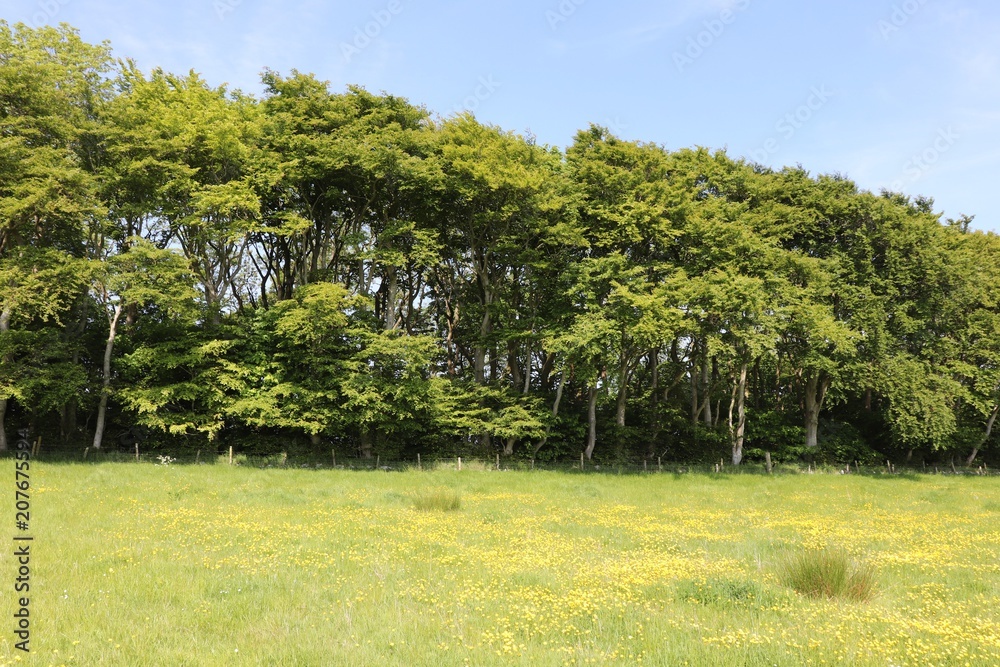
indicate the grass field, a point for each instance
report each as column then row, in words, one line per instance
column 137, row 564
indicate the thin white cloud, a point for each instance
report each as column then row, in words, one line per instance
column 626, row 40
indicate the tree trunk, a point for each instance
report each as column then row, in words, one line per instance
column 546, row 370
column 513, row 364
column 654, row 400
column 815, row 392
column 212, row 305
column 390, row 300
column 717, row 415
column 527, row 370
column 622, row 392
column 4, row 328
column 451, row 321
column 67, row 421
column 736, row 432
column 591, row 422
column 695, row 411
column 555, row 410
column 102, row 408
column 705, row 386
column 986, row 436
column 366, row 443
column 131, row 314
column 484, row 331
column 494, row 364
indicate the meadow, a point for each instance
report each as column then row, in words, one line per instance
column 140, row 564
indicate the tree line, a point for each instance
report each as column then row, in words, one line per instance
column 192, row 265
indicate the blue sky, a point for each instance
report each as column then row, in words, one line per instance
column 892, row 93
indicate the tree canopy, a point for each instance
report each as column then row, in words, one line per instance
column 318, row 267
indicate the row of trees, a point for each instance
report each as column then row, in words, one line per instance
column 320, row 267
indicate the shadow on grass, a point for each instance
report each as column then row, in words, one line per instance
column 897, row 476
column 673, row 470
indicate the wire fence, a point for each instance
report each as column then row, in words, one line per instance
column 63, row 453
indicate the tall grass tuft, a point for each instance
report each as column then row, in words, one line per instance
column 437, row 500
column 829, row 573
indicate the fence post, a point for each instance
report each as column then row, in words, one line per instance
column 230, row 455
column 767, row 460
column 581, row 461
column 460, row 464
column 419, row 466
column 137, row 452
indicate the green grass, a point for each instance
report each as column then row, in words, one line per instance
column 437, row 500
column 829, row 573
column 137, row 564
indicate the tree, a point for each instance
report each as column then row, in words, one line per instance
column 51, row 83
column 389, row 393
column 178, row 170
column 334, row 173
column 497, row 201
column 39, row 287
column 627, row 283
column 143, row 275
